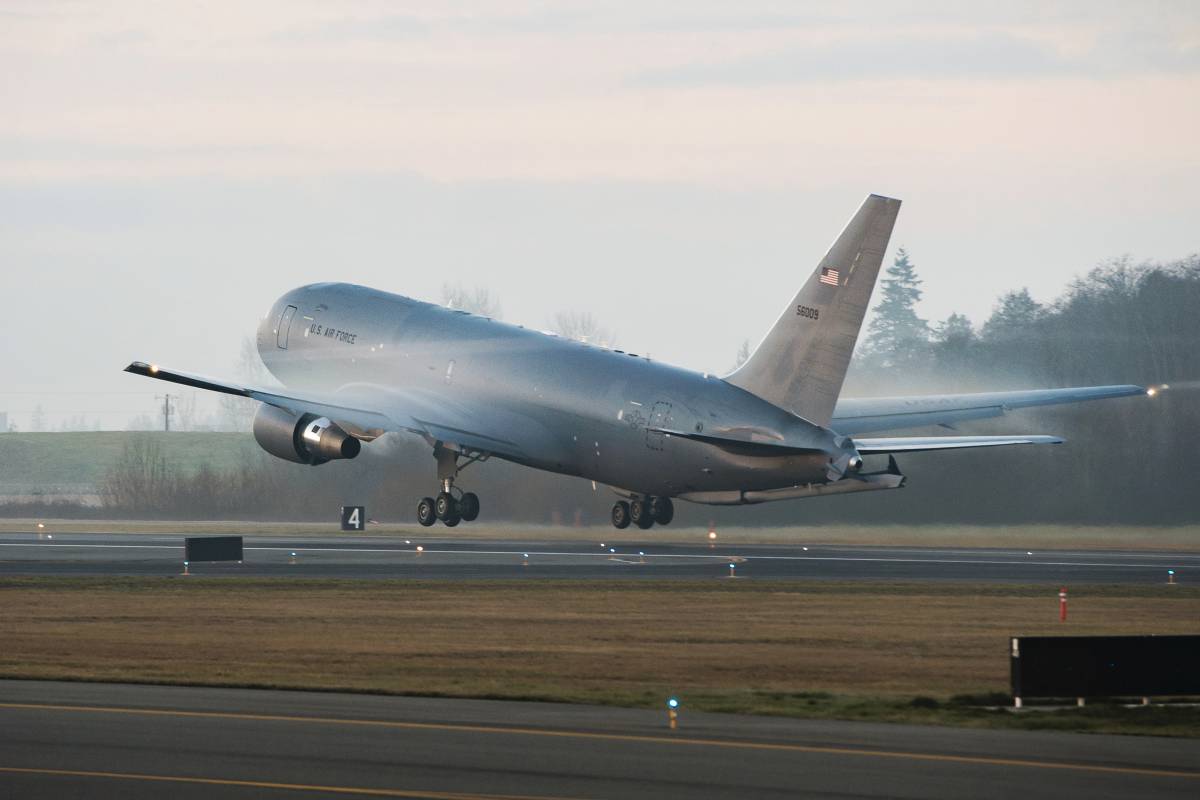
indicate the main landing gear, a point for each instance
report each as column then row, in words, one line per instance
column 643, row 512
column 449, row 509
column 452, row 505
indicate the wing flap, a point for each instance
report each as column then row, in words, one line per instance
column 912, row 444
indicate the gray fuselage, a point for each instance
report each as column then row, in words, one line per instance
column 616, row 418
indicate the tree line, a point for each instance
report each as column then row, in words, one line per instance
column 1132, row 460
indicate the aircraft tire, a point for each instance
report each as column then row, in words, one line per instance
column 425, row 513
column 444, row 506
column 620, row 515
column 662, row 509
column 452, row 520
column 468, row 507
column 639, row 514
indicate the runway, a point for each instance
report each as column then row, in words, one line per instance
column 441, row 557
column 70, row 739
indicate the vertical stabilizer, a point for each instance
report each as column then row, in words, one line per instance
column 802, row 362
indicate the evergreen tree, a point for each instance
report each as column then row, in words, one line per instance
column 897, row 337
column 954, row 344
column 1014, row 317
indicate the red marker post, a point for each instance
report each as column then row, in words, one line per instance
column 1062, row 604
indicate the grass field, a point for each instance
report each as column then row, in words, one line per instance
column 1017, row 537
column 860, row 650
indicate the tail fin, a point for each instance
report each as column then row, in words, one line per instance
column 801, row 364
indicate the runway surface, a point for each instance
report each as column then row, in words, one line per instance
column 441, row 557
column 65, row 739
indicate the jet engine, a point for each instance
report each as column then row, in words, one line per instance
column 306, row 439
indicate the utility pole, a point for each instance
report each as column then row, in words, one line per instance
column 167, row 411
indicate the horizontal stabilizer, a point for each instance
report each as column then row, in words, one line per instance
column 865, row 483
column 911, row 444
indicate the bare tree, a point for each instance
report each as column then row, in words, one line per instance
column 477, row 301
column 237, row 413
column 185, row 412
column 583, row 327
column 143, row 422
column 141, row 479
column 743, row 354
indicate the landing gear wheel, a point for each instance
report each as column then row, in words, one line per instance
column 444, row 506
column 468, row 506
column 452, row 520
column 639, row 514
column 425, row 512
column 662, row 509
column 620, row 514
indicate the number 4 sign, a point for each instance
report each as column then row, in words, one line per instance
column 353, row 518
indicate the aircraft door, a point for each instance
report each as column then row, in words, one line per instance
column 285, row 324
column 660, row 417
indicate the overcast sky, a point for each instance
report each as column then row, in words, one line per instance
column 676, row 169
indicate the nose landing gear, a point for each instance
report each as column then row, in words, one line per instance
column 451, row 505
column 643, row 511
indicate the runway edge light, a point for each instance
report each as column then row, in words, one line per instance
column 672, row 712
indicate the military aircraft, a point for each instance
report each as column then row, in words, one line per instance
column 358, row 363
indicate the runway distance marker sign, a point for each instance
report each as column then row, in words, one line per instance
column 354, row 518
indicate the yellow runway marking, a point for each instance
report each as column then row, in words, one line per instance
column 294, row 787
column 621, row 737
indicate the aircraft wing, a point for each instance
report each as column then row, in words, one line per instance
column 912, row 444
column 369, row 411
column 866, row 415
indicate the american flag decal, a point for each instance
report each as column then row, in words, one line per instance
column 829, row 275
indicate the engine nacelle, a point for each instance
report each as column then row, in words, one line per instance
column 307, row 439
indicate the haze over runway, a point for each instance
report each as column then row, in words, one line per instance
column 466, row 559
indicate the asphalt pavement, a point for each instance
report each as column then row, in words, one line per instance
column 441, row 557
column 110, row 740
